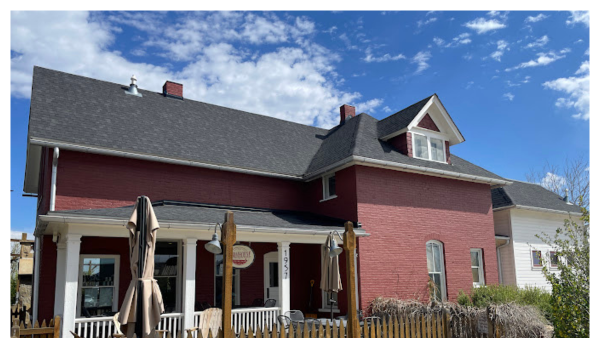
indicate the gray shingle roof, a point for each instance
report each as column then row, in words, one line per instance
column 207, row 213
column 401, row 119
column 89, row 112
column 530, row 195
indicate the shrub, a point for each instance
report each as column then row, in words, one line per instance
column 484, row 296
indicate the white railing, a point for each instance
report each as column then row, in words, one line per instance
column 103, row 327
column 254, row 317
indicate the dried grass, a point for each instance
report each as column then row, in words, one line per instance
column 517, row 321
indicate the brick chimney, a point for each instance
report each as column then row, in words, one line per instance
column 346, row 112
column 173, row 89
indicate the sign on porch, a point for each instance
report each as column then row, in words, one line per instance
column 243, row 256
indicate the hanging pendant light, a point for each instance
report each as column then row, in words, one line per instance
column 334, row 249
column 214, row 246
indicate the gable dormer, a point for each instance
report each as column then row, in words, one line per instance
column 424, row 130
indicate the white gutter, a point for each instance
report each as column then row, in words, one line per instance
column 499, row 258
column 63, row 218
column 55, row 154
column 146, row 157
column 525, row 207
column 350, row 160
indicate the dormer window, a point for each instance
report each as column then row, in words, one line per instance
column 428, row 147
column 328, row 187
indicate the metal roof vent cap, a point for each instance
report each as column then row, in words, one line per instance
column 133, row 87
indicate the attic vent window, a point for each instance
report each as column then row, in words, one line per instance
column 429, row 148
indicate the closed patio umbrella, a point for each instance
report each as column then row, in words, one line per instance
column 142, row 320
column 330, row 271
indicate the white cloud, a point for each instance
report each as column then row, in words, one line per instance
column 552, row 181
column 501, row 47
column 461, row 39
column 579, row 17
column 542, row 60
column 536, row 18
column 18, row 234
column 295, row 82
column 368, row 106
column 421, row 23
column 468, row 56
column 508, row 96
column 541, row 42
column 578, row 41
column 469, row 84
column 387, row 109
column 438, row 41
column 577, row 89
column 421, row 59
column 482, row 25
column 369, row 57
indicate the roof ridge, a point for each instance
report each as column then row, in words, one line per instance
column 359, row 126
column 405, row 108
column 186, row 99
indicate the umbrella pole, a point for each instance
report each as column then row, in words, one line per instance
column 141, row 228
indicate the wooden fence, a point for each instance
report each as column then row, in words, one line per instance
column 26, row 329
column 436, row 325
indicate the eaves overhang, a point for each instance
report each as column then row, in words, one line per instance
column 538, row 209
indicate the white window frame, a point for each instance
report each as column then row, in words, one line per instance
column 552, row 267
column 236, row 279
column 480, row 268
column 443, row 267
column 429, row 135
column 324, row 306
column 115, row 304
column 533, row 266
column 178, row 279
column 325, row 184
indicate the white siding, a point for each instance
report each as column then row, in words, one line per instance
column 525, row 226
column 507, row 259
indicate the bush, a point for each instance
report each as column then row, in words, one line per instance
column 484, row 296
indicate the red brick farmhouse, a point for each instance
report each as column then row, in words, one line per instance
column 419, row 211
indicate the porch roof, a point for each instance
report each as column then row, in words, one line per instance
column 210, row 214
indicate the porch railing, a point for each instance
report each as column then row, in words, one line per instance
column 254, row 318
column 103, row 327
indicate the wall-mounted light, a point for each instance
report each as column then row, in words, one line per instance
column 334, row 249
column 214, row 246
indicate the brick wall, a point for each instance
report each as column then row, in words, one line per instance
column 402, row 211
column 427, row 123
column 403, row 143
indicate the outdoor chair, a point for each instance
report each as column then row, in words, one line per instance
column 284, row 321
column 205, row 306
column 297, row 317
column 258, row 302
column 270, row 303
column 210, row 319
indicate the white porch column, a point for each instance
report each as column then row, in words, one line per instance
column 59, row 289
column 189, row 282
column 71, row 276
column 283, row 259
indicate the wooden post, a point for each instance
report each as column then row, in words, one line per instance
column 350, row 249
column 229, row 234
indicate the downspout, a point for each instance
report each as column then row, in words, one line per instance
column 499, row 259
column 53, row 182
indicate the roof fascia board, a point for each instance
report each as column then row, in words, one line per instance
column 525, row 207
column 412, row 123
column 85, row 220
column 435, row 100
column 394, row 134
column 140, row 156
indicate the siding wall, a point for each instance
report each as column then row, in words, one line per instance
column 525, row 225
column 507, row 265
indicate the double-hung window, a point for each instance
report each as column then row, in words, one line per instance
column 329, row 186
column 553, row 260
column 429, row 148
column 166, row 272
column 99, row 285
column 536, row 258
column 435, row 267
column 477, row 267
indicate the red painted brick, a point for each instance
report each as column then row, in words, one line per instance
column 427, row 123
column 173, row 88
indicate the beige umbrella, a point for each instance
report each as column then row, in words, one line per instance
column 152, row 303
column 330, row 269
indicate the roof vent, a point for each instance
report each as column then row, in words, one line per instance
column 133, row 87
column 566, row 198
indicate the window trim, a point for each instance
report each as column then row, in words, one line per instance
column 325, row 185
column 553, row 266
column 443, row 267
column 533, row 265
column 480, row 268
column 115, row 304
column 324, row 306
column 429, row 136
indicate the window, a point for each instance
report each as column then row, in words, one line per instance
column 429, row 148
column 235, row 299
column 99, row 285
column 166, row 273
column 536, row 258
column 329, row 186
column 553, row 259
column 327, row 296
column 435, row 267
column 477, row 267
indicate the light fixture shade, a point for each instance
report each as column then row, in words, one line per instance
column 334, row 249
column 214, row 246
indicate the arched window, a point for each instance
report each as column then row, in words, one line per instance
column 435, row 267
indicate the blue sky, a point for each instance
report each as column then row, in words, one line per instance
column 515, row 83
